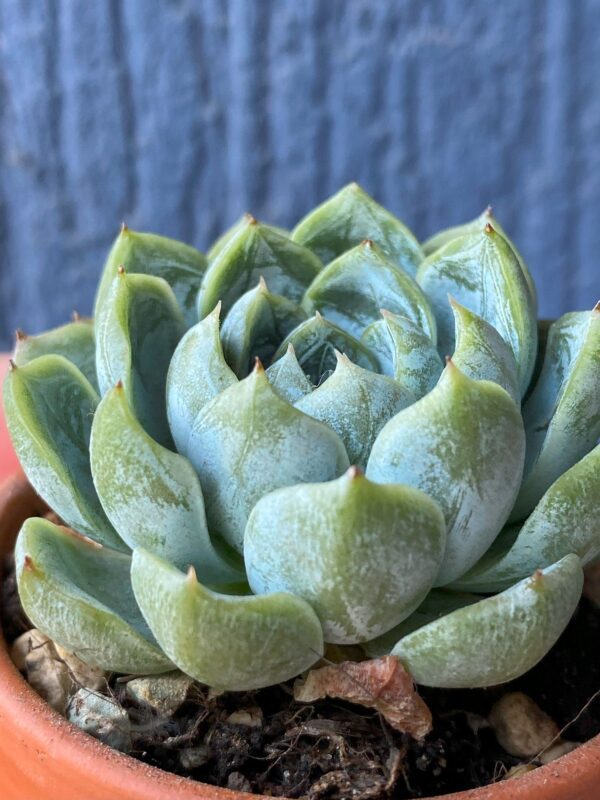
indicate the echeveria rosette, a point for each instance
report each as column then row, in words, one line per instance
column 217, row 479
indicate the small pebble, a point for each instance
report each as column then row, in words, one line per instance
column 560, row 748
column 193, row 757
column 248, row 717
column 102, row 718
column 520, row 725
column 35, row 654
column 238, row 782
column 164, row 693
column 518, row 771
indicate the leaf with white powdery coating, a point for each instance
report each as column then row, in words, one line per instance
column 49, row 406
column 288, row 378
column 463, row 444
column 229, row 642
column 79, row 593
column 499, row 638
column 151, row 495
column 75, row 341
column 356, row 403
column 352, row 289
column 483, row 273
column 135, row 340
column 350, row 216
column 247, row 442
column 362, row 554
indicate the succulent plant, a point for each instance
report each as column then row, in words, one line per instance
column 300, row 466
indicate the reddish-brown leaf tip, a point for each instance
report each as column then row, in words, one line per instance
column 258, row 366
column 489, row 228
column 121, row 269
column 367, row 243
column 250, row 218
column 11, row 365
column 28, row 564
column 20, row 335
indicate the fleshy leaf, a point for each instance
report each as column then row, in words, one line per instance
column 151, row 495
column 439, row 240
column 135, row 340
column 247, row 442
column 483, row 273
column 463, row 444
column 499, row 638
column 362, row 554
column 256, row 250
column 197, row 373
column 49, row 406
column 350, row 216
column 566, row 520
column 351, row 290
column 79, row 593
column 438, row 603
column 481, row 353
column 255, row 326
column 179, row 264
column 288, row 378
column 75, row 341
column 315, row 342
column 229, row 642
column 356, row 403
column 404, row 352
column 229, row 235
column 562, row 414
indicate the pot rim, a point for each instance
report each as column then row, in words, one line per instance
column 574, row 776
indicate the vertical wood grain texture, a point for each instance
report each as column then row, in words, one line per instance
column 179, row 115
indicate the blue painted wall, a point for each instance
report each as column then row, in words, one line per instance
column 178, row 116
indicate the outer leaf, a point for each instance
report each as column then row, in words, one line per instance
column 151, row 495
column 439, row 240
column 228, row 642
column 230, row 234
column 255, row 326
column 315, row 342
column 481, row 353
column 288, row 378
column 404, row 352
column 483, row 273
column 497, row 639
column 351, row 290
column 135, row 338
column 49, row 407
column 179, row 264
column 350, row 216
column 562, row 414
column 79, row 593
column 463, row 444
column 74, row 341
column 197, row 373
column 247, row 442
column 566, row 520
column 356, row 403
column 363, row 555
column 438, row 603
column 253, row 251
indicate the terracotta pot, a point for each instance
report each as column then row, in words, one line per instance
column 43, row 756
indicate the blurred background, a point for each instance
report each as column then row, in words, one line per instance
column 178, row 116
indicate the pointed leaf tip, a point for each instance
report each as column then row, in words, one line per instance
column 121, row 269
column 597, row 306
column 354, row 472
column 191, row 577
column 20, row 335
column 124, row 227
column 28, row 564
column 119, row 385
column 258, row 366
column 75, row 316
column 367, row 243
column 262, row 284
column 489, row 212
column 11, row 365
column 250, row 218
column 489, row 228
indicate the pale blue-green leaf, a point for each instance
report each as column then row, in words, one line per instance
column 255, row 327
column 49, row 407
column 356, row 403
column 197, row 373
column 288, row 378
column 463, row 444
column 256, row 250
column 562, row 414
column 499, row 638
column 404, row 352
column 74, row 341
column 79, row 594
column 232, row 643
column 483, row 273
column 362, row 554
column 350, row 216
column 247, row 442
column 481, row 353
column 315, row 342
column 135, row 340
column 151, row 495
column 352, row 289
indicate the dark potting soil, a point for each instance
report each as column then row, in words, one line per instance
column 331, row 749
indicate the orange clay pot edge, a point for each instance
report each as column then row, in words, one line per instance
column 44, row 756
